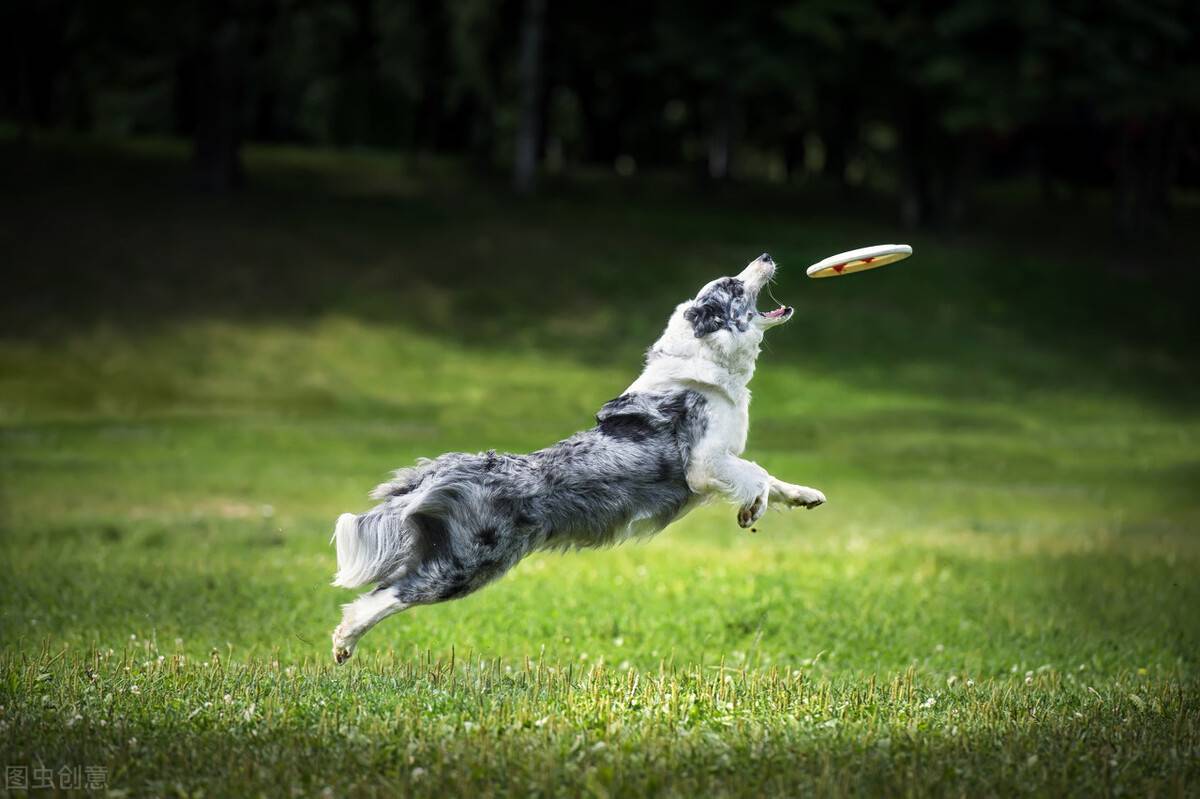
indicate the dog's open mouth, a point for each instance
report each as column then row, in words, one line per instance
column 778, row 313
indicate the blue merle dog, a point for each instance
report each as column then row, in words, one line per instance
column 448, row 526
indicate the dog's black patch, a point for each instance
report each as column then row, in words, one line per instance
column 490, row 566
column 626, row 427
column 667, row 469
column 640, row 417
column 486, row 536
column 432, row 536
column 725, row 305
column 460, row 587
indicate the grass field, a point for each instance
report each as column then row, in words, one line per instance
column 1000, row 597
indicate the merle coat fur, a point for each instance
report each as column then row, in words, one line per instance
column 448, row 526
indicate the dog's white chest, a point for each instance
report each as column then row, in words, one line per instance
column 728, row 424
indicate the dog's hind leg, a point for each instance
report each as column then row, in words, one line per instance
column 436, row 580
column 360, row 616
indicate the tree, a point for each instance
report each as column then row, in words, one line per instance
column 529, row 73
column 219, row 69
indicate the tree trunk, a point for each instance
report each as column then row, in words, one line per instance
column 220, row 74
column 1147, row 156
column 935, row 172
column 530, row 76
column 839, row 129
column 721, row 137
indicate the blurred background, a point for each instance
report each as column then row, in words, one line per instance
column 923, row 103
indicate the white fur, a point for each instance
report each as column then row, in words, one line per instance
column 714, row 360
column 720, row 366
column 351, row 555
column 359, row 616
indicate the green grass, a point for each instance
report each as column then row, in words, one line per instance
column 999, row 597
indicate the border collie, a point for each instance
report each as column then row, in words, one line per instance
column 448, row 526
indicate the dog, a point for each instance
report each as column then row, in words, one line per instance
column 448, row 526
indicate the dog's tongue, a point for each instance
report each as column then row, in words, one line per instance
column 780, row 311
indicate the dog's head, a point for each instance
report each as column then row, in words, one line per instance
column 721, row 323
column 729, row 303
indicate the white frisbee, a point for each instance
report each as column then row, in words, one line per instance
column 860, row 260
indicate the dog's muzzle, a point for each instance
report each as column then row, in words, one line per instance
column 758, row 273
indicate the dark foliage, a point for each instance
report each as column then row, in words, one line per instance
column 922, row 100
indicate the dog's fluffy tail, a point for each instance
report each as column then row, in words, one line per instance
column 369, row 548
column 352, row 556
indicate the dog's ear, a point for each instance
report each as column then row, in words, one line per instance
column 706, row 318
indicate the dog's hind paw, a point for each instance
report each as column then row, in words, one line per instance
column 342, row 648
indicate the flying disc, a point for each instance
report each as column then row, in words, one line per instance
column 860, row 260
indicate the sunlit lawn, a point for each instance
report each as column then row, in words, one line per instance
column 1000, row 596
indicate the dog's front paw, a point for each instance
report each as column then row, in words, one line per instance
column 805, row 497
column 749, row 514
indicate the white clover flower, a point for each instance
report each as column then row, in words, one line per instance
column 133, row 689
column 228, row 699
column 418, row 773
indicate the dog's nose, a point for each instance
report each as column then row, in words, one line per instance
column 766, row 258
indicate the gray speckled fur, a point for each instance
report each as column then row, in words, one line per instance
column 448, row 526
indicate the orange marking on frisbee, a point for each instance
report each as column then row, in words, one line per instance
column 859, row 260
